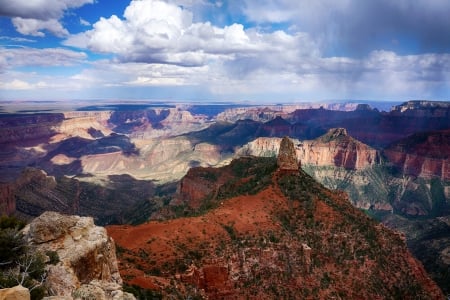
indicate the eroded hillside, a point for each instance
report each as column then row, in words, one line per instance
column 281, row 236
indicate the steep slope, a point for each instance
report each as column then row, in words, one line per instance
column 335, row 148
column 339, row 149
column 282, row 235
column 425, row 154
column 379, row 129
column 339, row 162
column 409, row 178
column 269, row 112
column 35, row 192
column 429, row 241
column 156, row 122
column 70, row 142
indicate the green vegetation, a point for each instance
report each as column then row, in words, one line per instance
column 53, row 257
column 12, row 244
column 20, row 264
column 208, row 175
column 141, row 293
column 251, row 176
column 231, row 231
column 439, row 202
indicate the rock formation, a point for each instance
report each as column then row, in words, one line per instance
column 7, row 198
column 35, row 192
column 424, row 155
column 337, row 148
column 87, row 260
column 265, row 233
column 15, row 293
column 80, row 143
column 269, row 112
column 287, row 158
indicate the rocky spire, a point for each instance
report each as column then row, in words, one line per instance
column 287, row 158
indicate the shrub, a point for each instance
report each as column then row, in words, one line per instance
column 53, row 256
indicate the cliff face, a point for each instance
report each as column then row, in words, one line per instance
column 423, row 108
column 28, row 127
column 156, row 122
column 270, row 234
column 57, row 142
column 336, row 148
column 340, row 162
column 378, row 129
column 87, row 261
column 10, row 191
column 7, row 199
column 423, row 155
column 269, row 112
column 34, row 192
column 84, row 124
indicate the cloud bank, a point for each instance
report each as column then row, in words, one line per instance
column 357, row 27
column 273, row 50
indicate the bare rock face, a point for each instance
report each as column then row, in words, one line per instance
column 287, row 157
column 7, row 199
column 29, row 176
column 337, row 148
column 15, row 293
column 423, row 155
column 86, row 253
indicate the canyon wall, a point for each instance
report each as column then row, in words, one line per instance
column 425, row 155
column 335, row 148
column 382, row 181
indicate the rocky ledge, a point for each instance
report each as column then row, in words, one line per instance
column 87, row 265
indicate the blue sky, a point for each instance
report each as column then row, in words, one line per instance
column 246, row 50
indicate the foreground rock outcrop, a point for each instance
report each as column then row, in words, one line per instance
column 15, row 293
column 87, row 265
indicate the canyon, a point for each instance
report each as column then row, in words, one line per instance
column 134, row 163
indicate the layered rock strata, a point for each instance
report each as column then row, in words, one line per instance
column 336, row 148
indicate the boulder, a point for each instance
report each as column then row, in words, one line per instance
column 87, row 255
column 15, row 293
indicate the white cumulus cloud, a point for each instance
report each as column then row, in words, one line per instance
column 154, row 31
column 31, row 17
column 35, row 27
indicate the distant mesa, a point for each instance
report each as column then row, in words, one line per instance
column 287, row 157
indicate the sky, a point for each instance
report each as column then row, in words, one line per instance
column 238, row 50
